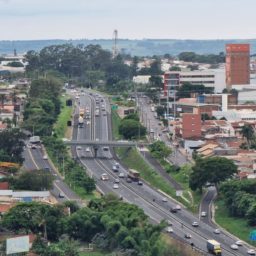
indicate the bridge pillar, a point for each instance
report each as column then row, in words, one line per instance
column 95, row 148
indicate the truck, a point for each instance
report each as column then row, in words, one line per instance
column 80, row 122
column 213, row 247
column 81, row 112
column 133, row 175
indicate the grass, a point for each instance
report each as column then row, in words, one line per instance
column 236, row 226
column 115, row 124
column 60, row 126
column 95, row 254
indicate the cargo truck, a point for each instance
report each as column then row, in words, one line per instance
column 213, row 247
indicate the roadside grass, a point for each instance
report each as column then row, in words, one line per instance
column 236, row 226
column 182, row 177
column 96, row 254
column 60, row 126
column 116, row 120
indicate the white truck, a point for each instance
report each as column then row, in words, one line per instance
column 213, row 247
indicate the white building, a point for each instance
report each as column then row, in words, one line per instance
column 213, row 78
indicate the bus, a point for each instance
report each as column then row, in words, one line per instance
column 133, row 175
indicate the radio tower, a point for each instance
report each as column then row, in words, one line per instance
column 114, row 48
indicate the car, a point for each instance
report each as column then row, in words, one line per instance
column 104, row 176
column 87, row 150
column 169, row 229
column 105, row 148
column 216, row 231
column 188, row 236
column 128, row 180
column 61, row 195
column 116, row 180
column 203, row 214
column 115, row 186
column 140, row 183
column 239, row 243
column 114, row 168
column 251, row 252
column 173, row 210
column 234, row 247
column 33, row 146
column 195, row 224
column 97, row 139
column 116, row 164
column 47, row 169
column 121, row 175
column 164, row 199
column 45, row 157
column 78, row 147
column 169, row 222
column 178, row 207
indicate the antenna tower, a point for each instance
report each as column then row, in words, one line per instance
column 114, row 48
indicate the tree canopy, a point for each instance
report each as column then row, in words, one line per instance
column 211, row 169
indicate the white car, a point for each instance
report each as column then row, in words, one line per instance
column 178, row 207
column 239, row 243
column 234, row 247
column 203, row 214
column 45, row 157
column 251, row 252
column 121, row 175
column 169, row 230
column 216, row 231
column 116, row 181
column 115, row 186
column 164, row 199
column 78, row 147
column 87, row 150
column 195, row 224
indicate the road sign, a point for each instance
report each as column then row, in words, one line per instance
column 253, row 235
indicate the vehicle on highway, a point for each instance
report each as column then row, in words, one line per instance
column 251, row 252
column 234, row 247
column 61, row 195
column 121, row 175
column 216, row 231
column 87, row 149
column 169, row 222
column 187, row 236
column 45, row 157
column 128, row 180
column 104, row 176
column 80, row 122
column 239, row 243
column 97, row 139
column 105, row 148
column 173, row 210
column 169, row 229
column 33, row 146
column 116, row 180
column 115, row 186
column 213, row 247
column 133, row 175
column 164, row 199
column 114, row 168
column 140, row 183
column 47, row 169
column 195, row 224
column 78, row 147
column 178, row 207
column 203, row 214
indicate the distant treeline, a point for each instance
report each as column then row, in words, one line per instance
column 146, row 47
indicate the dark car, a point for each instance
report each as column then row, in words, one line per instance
column 173, row 210
column 128, row 180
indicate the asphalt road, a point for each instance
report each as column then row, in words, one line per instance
column 98, row 128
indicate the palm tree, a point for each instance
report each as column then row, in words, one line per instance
column 248, row 133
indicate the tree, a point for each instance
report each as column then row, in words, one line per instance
column 211, row 169
column 156, row 82
column 130, row 128
column 160, row 110
column 159, row 149
column 248, row 133
column 175, row 68
column 11, row 145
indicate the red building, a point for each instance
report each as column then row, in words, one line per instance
column 191, row 126
column 237, row 64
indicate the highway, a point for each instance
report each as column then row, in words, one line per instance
column 149, row 199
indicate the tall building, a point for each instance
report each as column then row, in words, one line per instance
column 237, row 64
column 191, row 126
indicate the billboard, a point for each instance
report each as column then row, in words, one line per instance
column 17, row 244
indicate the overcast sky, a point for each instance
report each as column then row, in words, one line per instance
column 134, row 19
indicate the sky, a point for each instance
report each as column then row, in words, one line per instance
column 134, row 19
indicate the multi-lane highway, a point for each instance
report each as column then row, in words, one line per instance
column 149, row 199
